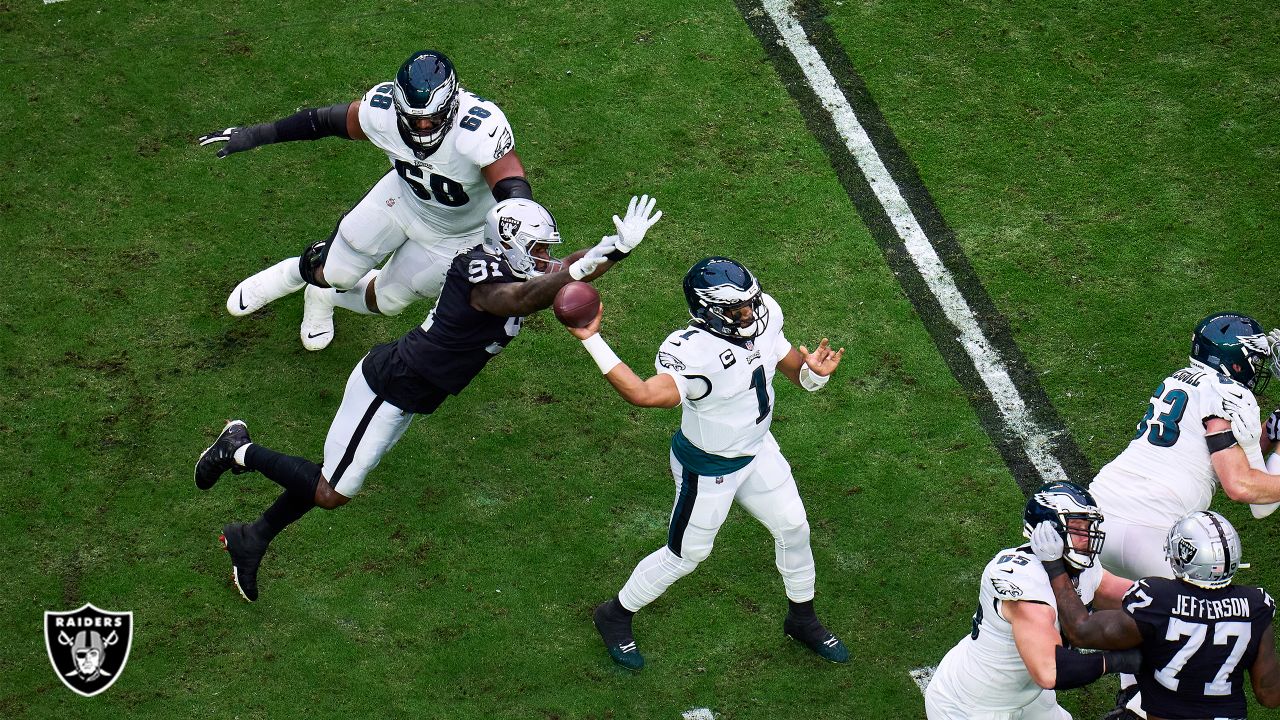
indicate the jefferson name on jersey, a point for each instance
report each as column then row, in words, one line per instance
column 452, row 194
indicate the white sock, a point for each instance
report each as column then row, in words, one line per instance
column 240, row 453
column 289, row 274
column 353, row 299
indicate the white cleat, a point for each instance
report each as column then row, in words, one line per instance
column 253, row 293
column 317, row 318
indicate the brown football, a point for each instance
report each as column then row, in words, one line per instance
column 576, row 304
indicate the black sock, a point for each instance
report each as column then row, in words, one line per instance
column 294, row 474
column 801, row 610
column 283, row 512
column 616, row 608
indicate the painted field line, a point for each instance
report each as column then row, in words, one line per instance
column 990, row 367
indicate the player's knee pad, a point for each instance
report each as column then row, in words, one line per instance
column 312, row 260
column 392, row 297
column 681, row 565
column 796, row 536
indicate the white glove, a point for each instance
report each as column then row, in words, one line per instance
column 640, row 217
column 1245, row 424
column 594, row 258
column 1274, row 337
column 1046, row 543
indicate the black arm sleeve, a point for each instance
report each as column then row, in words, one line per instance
column 1076, row 670
column 512, row 187
column 313, row 124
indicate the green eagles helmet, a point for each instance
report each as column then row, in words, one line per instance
column 1234, row 345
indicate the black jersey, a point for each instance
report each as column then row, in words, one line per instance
column 1196, row 645
column 451, row 347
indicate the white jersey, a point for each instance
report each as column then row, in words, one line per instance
column 984, row 671
column 726, row 387
column 446, row 188
column 1165, row 472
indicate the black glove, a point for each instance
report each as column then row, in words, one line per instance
column 239, row 139
column 1128, row 662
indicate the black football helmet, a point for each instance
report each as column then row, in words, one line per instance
column 1059, row 502
column 724, row 299
column 426, row 97
column 1236, row 346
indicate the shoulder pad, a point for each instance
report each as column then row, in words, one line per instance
column 1014, row 575
column 488, row 141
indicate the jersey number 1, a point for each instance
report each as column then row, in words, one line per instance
column 762, row 392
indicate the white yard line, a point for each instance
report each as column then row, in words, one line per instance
column 991, row 368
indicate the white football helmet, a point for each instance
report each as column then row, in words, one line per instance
column 522, row 231
column 1203, row 549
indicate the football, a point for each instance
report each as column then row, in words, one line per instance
column 576, row 304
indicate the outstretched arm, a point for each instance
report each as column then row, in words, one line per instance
column 1229, row 443
column 660, row 390
column 341, row 120
column 1103, row 630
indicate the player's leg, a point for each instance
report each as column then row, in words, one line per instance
column 700, row 508
column 1132, row 551
column 770, row 494
column 416, row 271
column 1044, row 707
column 340, row 270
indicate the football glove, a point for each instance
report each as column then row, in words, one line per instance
column 237, row 139
column 632, row 228
column 594, row 258
column 1046, row 543
column 1245, row 424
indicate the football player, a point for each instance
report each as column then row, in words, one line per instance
column 488, row 291
column 1009, row 666
column 720, row 369
column 1201, row 429
column 452, row 160
column 1198, row 632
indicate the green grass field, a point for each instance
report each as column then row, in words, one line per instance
column 1110, row 169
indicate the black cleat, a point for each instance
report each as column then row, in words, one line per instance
column 246, row 554
column 615, row 630
column 221, row 455
column 817, row 638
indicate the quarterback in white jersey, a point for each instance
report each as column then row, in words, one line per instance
column 1009, row 665
column 452, row 159
column 720, row 370
column 1201, row 429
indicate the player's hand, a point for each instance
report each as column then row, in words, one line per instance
column 595, row 257
column 1046, row 543
column 1245, row 424
column 823, row 360
column 592, row 328
column 639, row 218
column 237, row 139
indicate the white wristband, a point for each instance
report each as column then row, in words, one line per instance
column 600, row 351
column 810, row 380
